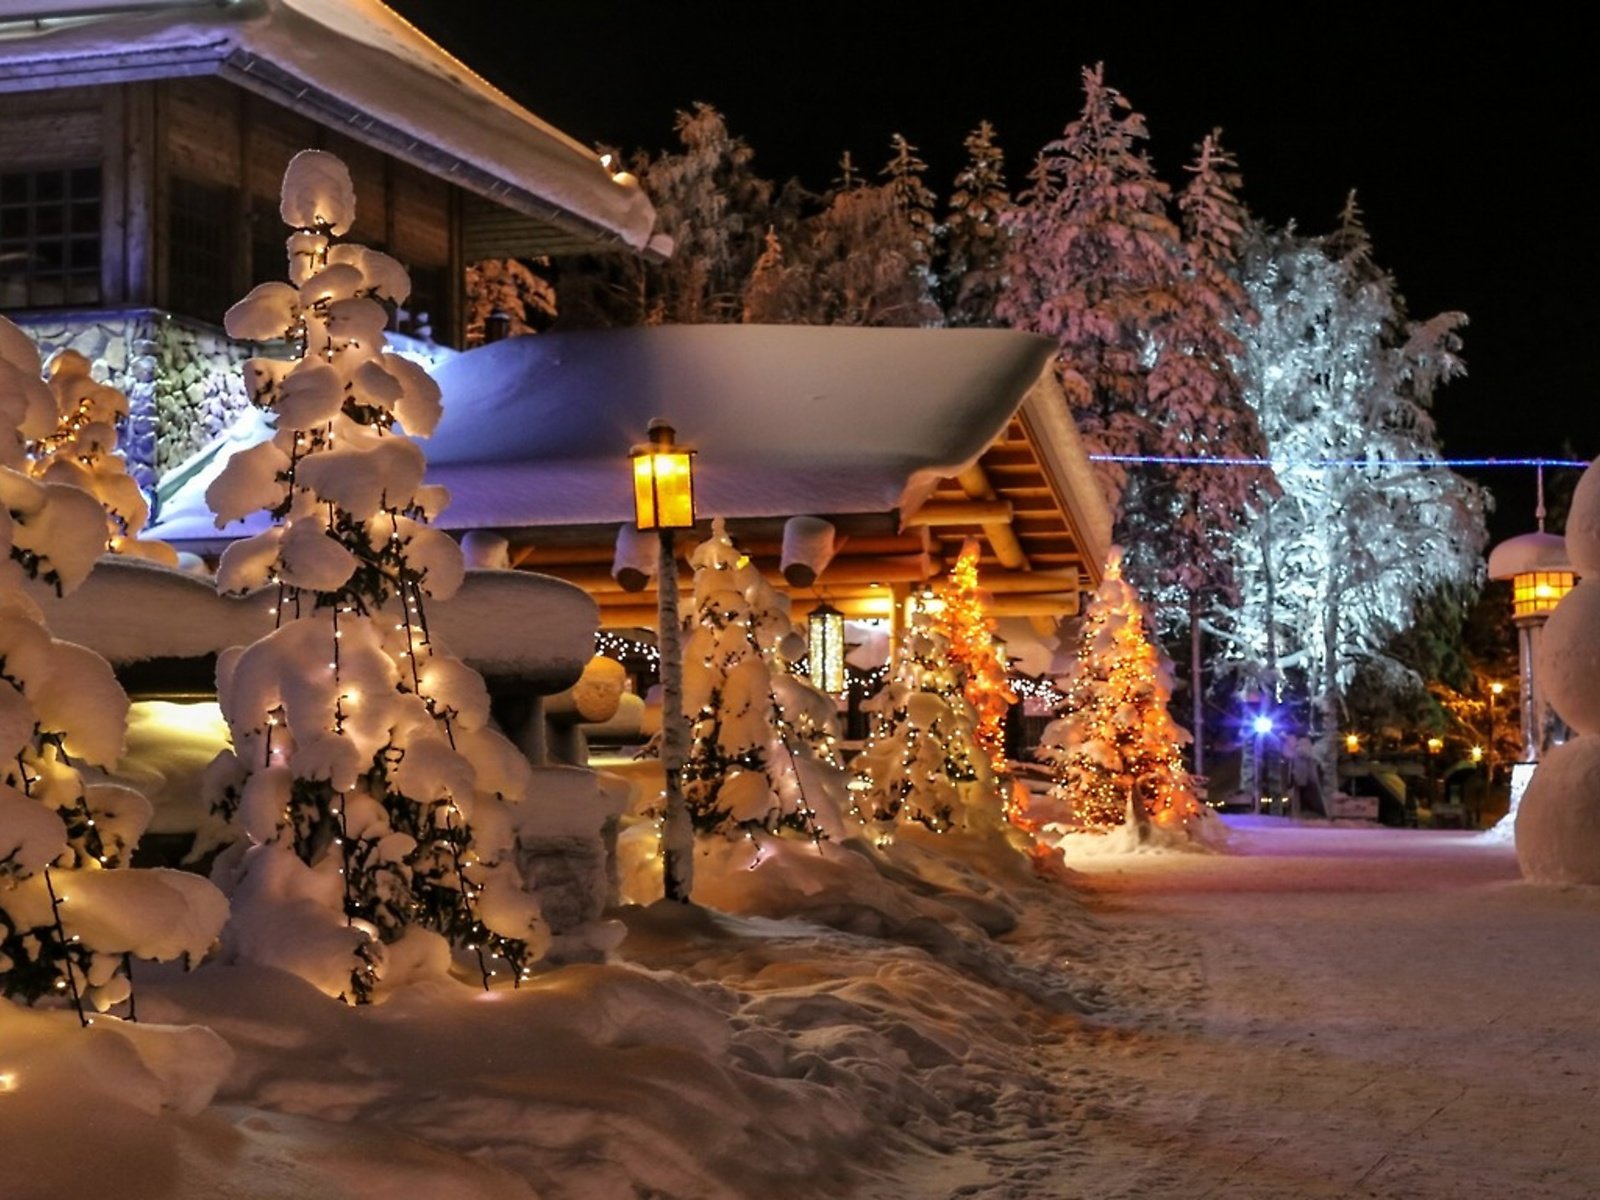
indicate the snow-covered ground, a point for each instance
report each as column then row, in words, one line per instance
column 1323, row 1012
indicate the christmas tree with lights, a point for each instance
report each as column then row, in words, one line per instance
column 966, row 625
column 923, row 753
column 372, row 799
column 1116, row 749
column 743, row 771
column 73, row 914
column 82, row 451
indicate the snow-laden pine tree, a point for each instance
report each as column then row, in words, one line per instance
column 922, row 761
column 1115, row 749
column 974, row 236
column 862, row 260
column 82, row 451
column 1095, row 263
column 714, row 209
column 1333, row 568
column 370, row 793
column 747, row 769
column 72, row 913
column 507, row 289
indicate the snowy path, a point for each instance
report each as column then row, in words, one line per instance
column 1338, row 1013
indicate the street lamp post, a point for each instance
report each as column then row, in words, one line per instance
column 1494, row 694
column 663, row 500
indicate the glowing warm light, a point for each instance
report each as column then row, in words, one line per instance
column 962, row 616
column 1352, row 742
column 1477, row 754
column 1535, row 593
column 663, row 481
column 1435, row 745
column 825, row 648
column 1497, row 688
column 8, row 1081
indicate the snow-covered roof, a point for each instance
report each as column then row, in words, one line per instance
column 512, row 623
column 786, row 419
column 352, row 64
column 1529, row 552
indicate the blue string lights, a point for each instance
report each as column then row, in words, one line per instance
column 1203, row 460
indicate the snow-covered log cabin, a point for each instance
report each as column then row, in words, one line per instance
column 141, row 145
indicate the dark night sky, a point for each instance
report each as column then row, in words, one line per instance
column 1461, row 137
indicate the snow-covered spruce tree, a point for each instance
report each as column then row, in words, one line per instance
column 82, row 451
column 1332, row 569
column 741, row 773
column 370, row 792
column 1181, row 522
column 71, row 911
column 1094, row 262
column 974, row 236
column 508, row 288
column 922, row 761
column 1115, row 748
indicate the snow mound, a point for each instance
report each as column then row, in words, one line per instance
column 1583, row 524
column 1206, row 834
column 1558, row 822
column 1569, row 657
column 126, row 1082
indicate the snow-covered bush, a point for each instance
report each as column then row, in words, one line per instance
column 369, row 791
column 69, row 916
column 748, row 768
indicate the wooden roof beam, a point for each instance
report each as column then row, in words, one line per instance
column 1002, row 538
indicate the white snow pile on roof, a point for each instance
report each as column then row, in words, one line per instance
column 785, row 419
column 855, row 1029
column 358, row 52
column 500, row 622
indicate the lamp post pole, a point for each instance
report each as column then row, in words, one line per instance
column 663, row 500
column 677, row 835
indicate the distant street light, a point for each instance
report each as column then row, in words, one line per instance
column 663, row 500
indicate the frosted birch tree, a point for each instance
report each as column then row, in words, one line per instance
column 1367, row 524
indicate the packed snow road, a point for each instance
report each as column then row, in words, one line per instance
column 1331, row 1013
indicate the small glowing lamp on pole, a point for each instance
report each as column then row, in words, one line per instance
column 825, row 648
column 663, row 500
column 1540, row 575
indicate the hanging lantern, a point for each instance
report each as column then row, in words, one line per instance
column 663, row 481
column 825, row 627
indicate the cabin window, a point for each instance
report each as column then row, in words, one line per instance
column 201, row 248
column 50, row 237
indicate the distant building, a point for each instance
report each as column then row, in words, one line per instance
column 141, row 148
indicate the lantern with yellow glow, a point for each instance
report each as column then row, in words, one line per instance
column 663, row 500
column 1540, row 575
column 663, row 481
column 825, row 630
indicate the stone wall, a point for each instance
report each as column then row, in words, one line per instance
column 182, row 378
